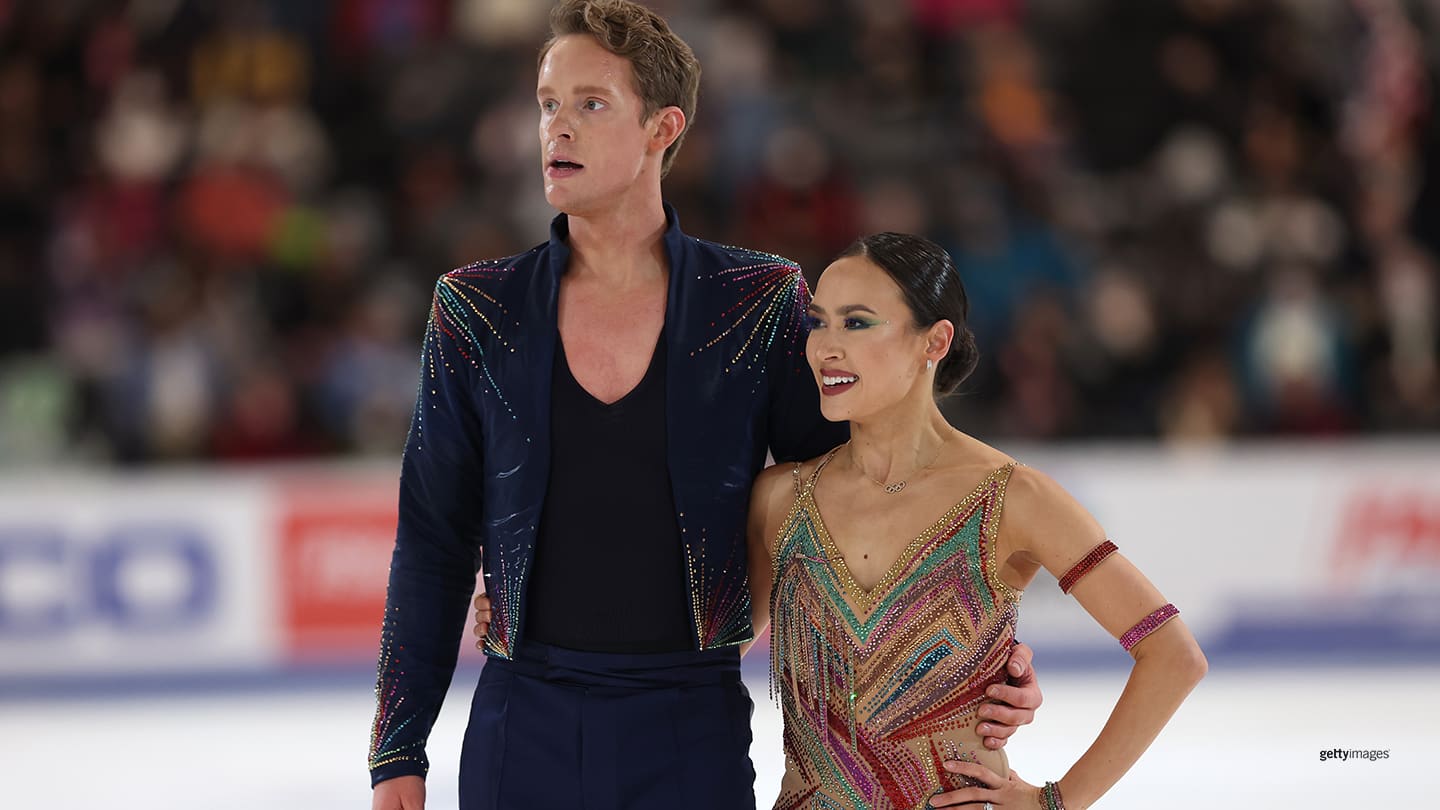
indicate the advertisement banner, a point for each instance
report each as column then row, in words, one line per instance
column 144, row 575
column 1296, row 551
column 334, row 544
column 1290, row 551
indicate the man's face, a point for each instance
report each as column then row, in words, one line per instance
column 593, row 146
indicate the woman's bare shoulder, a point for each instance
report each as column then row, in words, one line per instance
column 773, row 478
column 781, row 481
column 1036, row 488
column 973, row 459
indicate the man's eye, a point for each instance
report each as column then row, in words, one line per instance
column 593, row 104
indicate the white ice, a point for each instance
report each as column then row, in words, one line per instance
column 1248, row 738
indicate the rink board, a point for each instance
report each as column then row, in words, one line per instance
column 1272, row 554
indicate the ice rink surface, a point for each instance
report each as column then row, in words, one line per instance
column 1248, row 738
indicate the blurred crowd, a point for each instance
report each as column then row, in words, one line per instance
column 1191, row 220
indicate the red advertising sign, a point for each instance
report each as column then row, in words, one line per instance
column 334, row 560
column 1388, row 535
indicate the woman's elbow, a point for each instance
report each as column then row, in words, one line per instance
column 1180, row 655
column 1190, row 662
column 1196, row 664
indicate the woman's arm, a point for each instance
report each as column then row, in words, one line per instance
column 1168, row 665
column 1043, row 525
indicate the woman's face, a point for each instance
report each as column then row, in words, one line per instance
column 865, row 352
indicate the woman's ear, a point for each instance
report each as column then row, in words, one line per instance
column 938, row 339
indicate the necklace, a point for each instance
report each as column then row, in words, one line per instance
column 895, row 486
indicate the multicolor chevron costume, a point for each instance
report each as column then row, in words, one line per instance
column 880, row 686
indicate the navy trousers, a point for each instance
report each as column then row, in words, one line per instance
column 557, row 728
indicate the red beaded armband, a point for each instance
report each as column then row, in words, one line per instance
column 1086, row 565
column 1148, row 625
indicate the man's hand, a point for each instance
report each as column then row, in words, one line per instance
column 482, row 624
column 400, row 793
column 1014, row 702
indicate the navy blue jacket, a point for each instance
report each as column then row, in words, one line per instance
column 476, row 462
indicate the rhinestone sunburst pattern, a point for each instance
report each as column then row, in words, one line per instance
column 460, row 315
column 721, row 608
column 393, row 711
column 770, row 306
column 463, row 334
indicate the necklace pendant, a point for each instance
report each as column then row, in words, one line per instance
column 895, row 487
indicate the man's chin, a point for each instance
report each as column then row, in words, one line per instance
column 565, row 202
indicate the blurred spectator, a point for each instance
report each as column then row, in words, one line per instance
column 1294, row 358
column 803, row 204
column 1188, row 219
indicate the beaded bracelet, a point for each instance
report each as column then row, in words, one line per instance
column 1086, row 565
column 1050, row 797
column 1148, row 625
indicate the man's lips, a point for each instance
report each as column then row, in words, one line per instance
column 562, row 167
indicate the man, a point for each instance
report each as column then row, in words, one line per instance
column 591, row 416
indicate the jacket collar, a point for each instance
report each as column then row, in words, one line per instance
column 560, row 242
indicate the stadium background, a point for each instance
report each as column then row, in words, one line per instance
column 1200, row 238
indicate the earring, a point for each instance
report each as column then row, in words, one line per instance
column 929, row 364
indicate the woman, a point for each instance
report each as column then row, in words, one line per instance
column 894, row 605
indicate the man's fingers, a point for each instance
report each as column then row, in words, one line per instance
column 996, row 730
column 1000, row 715
column 1020, row 658
column 482, row 609
column 1020, row 697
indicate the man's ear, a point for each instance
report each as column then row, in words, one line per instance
column 666, row 125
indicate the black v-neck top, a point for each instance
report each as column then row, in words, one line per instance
column 609, row 574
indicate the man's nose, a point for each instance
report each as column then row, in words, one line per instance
column 560, row 126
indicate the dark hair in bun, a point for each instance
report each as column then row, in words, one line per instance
column 931, row 285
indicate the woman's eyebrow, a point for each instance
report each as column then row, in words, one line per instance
column 845, row 310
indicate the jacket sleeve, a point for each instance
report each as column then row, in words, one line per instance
column 437, row 542
column 797, row 429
